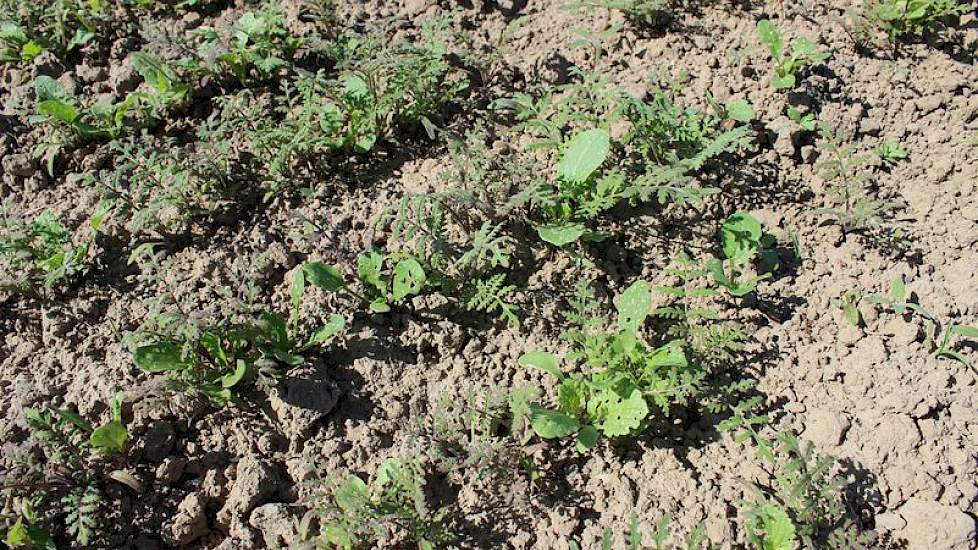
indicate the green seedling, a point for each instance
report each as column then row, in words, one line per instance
column 695, row 541
column 360, row 515
column 743, row 240
column 651, row 14
column 908, row 19
column 389, row 280
column 165, row 89
column 890, row 152
column 807, row 120
column 43, row 251
column 27, row 530
column 16, row 46
column 218, row 359
column 626, row 380
column 735, row 110
column 258, row 41
column 848, row 302
column 101, row 120
column 581, row 193
column 787, row 65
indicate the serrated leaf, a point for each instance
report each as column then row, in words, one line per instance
column 160, row 357
column 622, row 416
column 550, row 424
column 634, row 306
column 583, row 154
column 409, row 278
column 543, row 361
column 779, row 531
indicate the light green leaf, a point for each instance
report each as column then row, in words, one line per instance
column 327, row 331
column 550, row 424
column 769, row 34
column 560, row 234
column 409, row 279
column 160, row 357
column 324, row 276
column 58, row 110
column 740, row 237
column 110, row 438
column 543, row 361
column 785, row 82
column 583, row 154
column 669, row 355
column 964, row 330
column 740, row 110
column 622, row 416
column 779, row 532
column 230, row 379
column 634, row 306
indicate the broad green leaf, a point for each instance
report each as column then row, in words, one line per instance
column 46, row 88
column 740, row 110
column 622, row 416
column 369, row 266
column 770, row 35
column 352, row 493
column 779, row 532
column 327, row 331
column 560, row 234
column 409, row 278
column 550, row 424
column 324, row 276
column 583, row 154
column 58, row 110
column 76, row 419
column 543, row 361
column 18, row 536
column 30, row 50
column 110, row 438
column 740, row 237
column 669, row 355
column 587, row 438
column 634, row 306
column 380, row 305
column 274, row 328
column 898, row 289
column 785, row 82
column 160, row 357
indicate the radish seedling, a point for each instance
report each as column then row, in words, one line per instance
column 787, row 64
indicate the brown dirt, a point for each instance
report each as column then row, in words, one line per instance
column 902, row 422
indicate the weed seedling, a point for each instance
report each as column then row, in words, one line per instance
column 787, row 65
column 16, row 45
column 360, row 515
column 890, row 152
column 807, row 120
column 743, row 240
column 907, row 19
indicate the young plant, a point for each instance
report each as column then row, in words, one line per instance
column 844, row 170
column 102, row 119
column 788, row 65
column 43, row 251
column 649, row 14
column 623, row 382
column 216, row 359
column 258, row 41
column 15, row 45
column 361, row 515
column 66, row 488
column 807, row 120
column 804, row 505
column 166, row 91
column 907, row 19
column 695, row 541
column 743, row 241
column 890, row 152
column 848, row 302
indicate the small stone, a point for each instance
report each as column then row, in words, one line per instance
column 825, row 428
column 303, row 403
column 256, row 481
column 278, row 524
column 934, row 526
column 158, row 441
column 171, row 470
column 21, row 165
column 786, row 133
column 189, row 523
column 902, row 333
column 123, row 77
